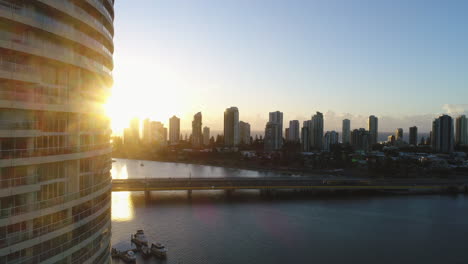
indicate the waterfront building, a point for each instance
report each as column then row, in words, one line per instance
column 373, row 127
column 305, row 136
column 442, row 136
column 293, row 131
column 272, row 136
column 346, row 131
column 391, row 140
column 360, row 139
column 197, row 136
column 146, row 138
column 399, row 134
column 244, row 131
column 55, row 77
column 206, row 136
column 174, row 130
column 413, row 136
column 330, row 139
column 461, row 130
column 231, row 127
column 277, row 118
column 316, row 132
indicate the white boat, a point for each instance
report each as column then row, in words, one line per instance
column 145, row 251
column 129, row 257
column 139, row 238
column 159, row 250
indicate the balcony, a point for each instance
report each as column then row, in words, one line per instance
column 41, row 152
column 35, row 19
column 28, row 208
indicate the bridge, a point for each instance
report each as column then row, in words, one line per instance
column 275, row 183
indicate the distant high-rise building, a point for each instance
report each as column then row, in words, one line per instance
column 197, row 136
column 346, row 131
column 461, row 130
column 413, row 135
column 293, row 133
column 330, row 139
column 147, row 130
column 244, row 131
column 399, row 134
column 316, row 132
column 277, row 118
column 272, row 136
column 206, row 136
column 373, row 126
column 305, row 136
column 231, row 127
column 442, row 134
column 157, row 133
column 286, row 134
column 132, row 134
column 174, row 130
column 360, row 139
column 391, row 140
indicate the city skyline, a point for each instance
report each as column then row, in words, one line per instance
column 285, row 64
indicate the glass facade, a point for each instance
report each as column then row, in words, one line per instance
column 55, row 76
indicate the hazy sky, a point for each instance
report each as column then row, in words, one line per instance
column 404, row 61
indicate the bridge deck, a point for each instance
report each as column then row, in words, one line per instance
column 168, row 184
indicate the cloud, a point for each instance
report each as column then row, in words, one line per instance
column 455, row 109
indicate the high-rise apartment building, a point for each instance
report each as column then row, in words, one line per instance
column 206, row 136
column 316, row 132
column 277, row 118
column 442, row 134
column 461, row 130
column 413, row 136
column 346, row 131
column 197, row 136
column 399, row 134
column 272, row 136
column 373, row 127
column 157, row 133
column 360, row 139
column 55, row 77
column 293, row 133
column 330, row 139
column 305, row 136
column 244, row 131
column 146, row 138
column 231, row 127
column 174, row 130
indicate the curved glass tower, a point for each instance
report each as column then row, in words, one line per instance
column 55, row 75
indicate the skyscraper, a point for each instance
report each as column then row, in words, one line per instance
column 158, row 133
column 277, row 118
column 305, row 136
column 206, row 136
column 272, row 136
column 147, row 131
column 442, row 134
column 399, row 134
column 316, row 131
column 413, row 135
column 293, row 134
column 174, row 130
column 55, row 74
column 360, row 139
column 330, row 139
column 197, row 136
column 346, row 131
column 231, row 127
column 461, row 130
column 244, row 130
column 373, row 127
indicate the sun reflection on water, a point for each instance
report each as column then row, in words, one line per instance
column 122, row 204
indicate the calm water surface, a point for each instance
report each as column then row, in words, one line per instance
column 290, row 228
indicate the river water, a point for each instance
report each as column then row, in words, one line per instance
column 289, row 228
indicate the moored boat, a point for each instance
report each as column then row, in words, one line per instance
column 145, row 251
column 159, row 250
column 139, row 238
